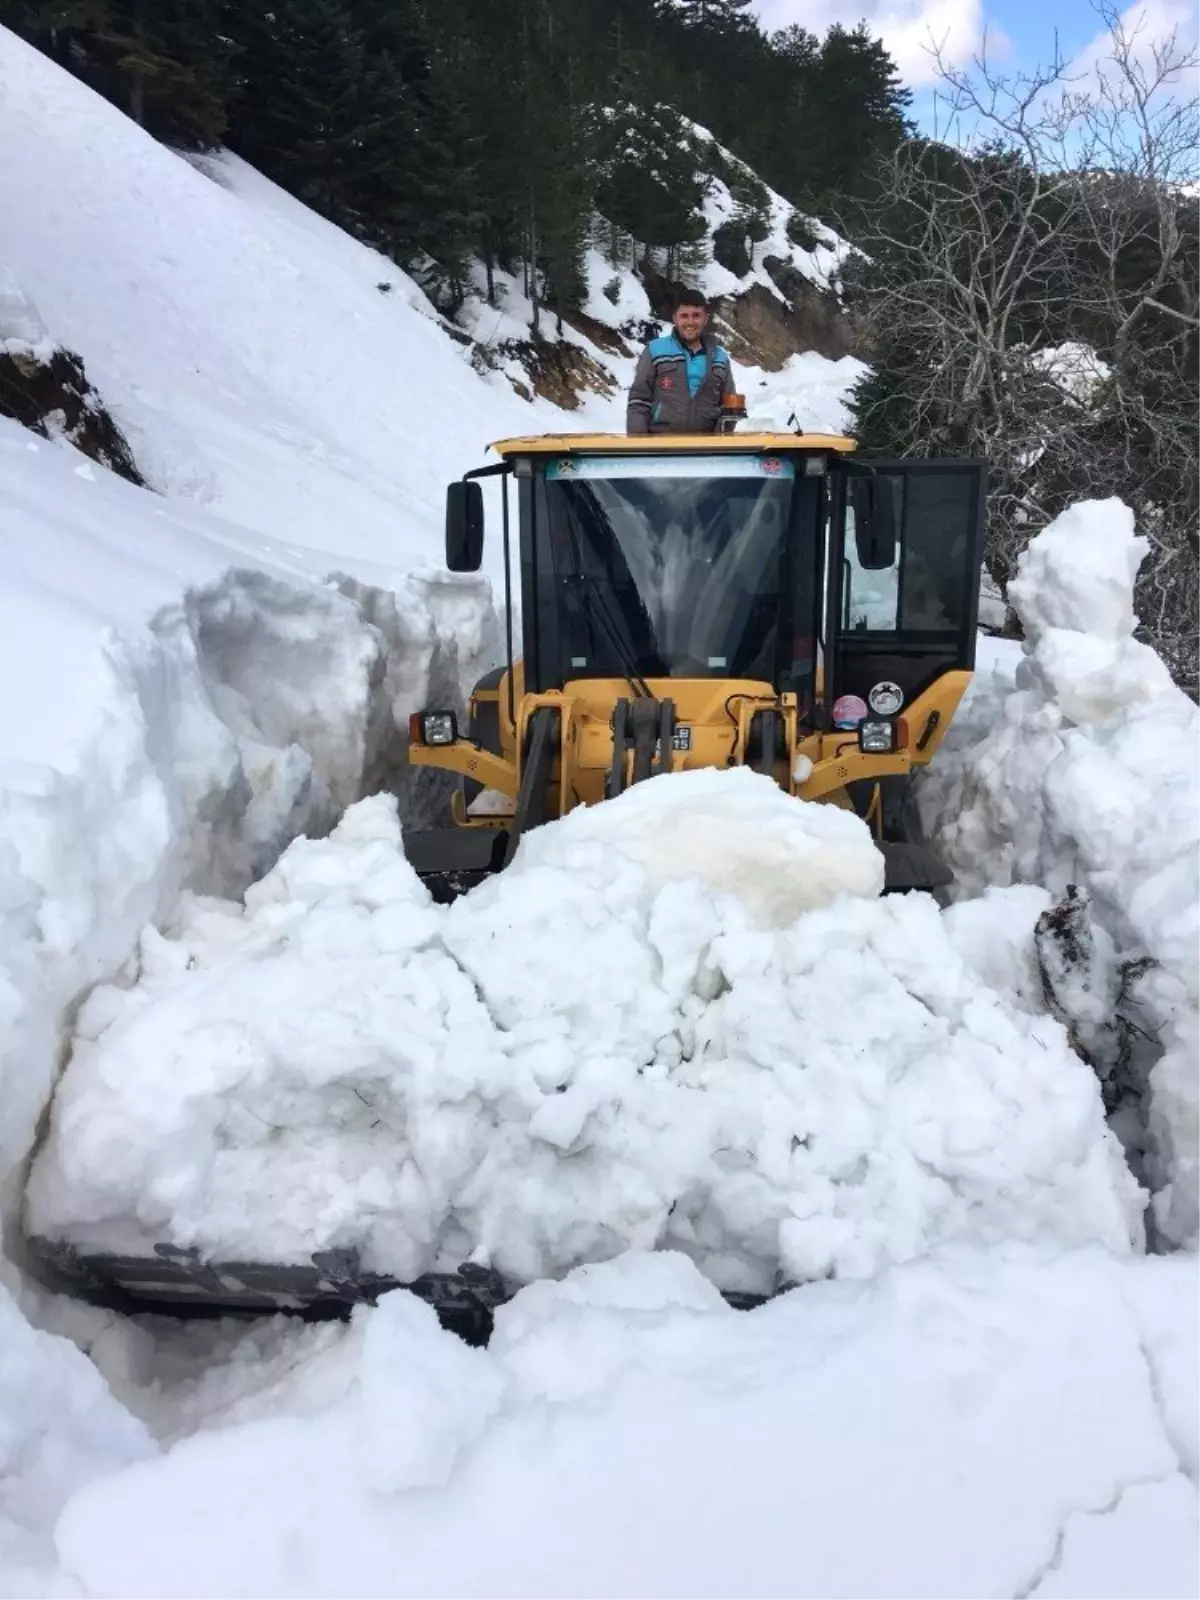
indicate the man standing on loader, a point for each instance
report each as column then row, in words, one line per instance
column 682, row 378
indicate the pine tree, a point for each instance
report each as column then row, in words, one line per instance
column 164, row 62
column 852, row 109
column 177, row 65
column 417, row 184
column 304, row 113
column 713, row 18
column 442, row 130
column 653, row 181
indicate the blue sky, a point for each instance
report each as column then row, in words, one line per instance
column 1021, row 33
column 1026, row 24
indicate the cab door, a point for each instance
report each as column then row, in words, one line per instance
column 916, row 619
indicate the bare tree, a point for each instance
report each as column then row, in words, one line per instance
column 1031, row 295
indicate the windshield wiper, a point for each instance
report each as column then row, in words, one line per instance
column 580, row 579
column 624, row 654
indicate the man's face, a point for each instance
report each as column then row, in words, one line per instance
column 690, row 322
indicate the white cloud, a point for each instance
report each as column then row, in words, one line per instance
column 909, row 28
column 1146, row 23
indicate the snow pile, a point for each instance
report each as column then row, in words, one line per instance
column 22, row 331
column 1075, row 367
column 1022, row 1425
column 59, row 1427
column 1085, row 773
column 232, row 709
column 681, row 1019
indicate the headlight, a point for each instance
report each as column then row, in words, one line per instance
column 433, row 727
column 876, row 736
column 886, row 698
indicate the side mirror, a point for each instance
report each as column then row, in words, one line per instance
column 873, row 501
column 464, row 526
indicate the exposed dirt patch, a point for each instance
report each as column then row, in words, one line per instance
column 55, row 399
column 760, row 330
column 558, row 371
column 763, row 331
column 602, row 336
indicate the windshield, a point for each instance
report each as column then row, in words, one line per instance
column 667, row 565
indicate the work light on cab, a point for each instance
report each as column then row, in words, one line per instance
column 880, row 736
column 432, row 727
column 875, row 736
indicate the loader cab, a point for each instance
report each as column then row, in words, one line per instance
column 780, row 559
column 764, row 600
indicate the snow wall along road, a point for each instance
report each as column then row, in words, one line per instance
column 1084, row 771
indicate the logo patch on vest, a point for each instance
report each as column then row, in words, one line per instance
column 667, row 381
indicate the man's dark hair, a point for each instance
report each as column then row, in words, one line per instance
column 691, row 297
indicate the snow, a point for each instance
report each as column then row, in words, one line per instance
column 631, row 305
column 1075, row 367
column 22, row 331
column 820, row 266
column 970, row 1426
column 179, row 719
column 193, row 677
column 193, row 690
column 1083, row 771
column 763, row 1066
column 59, row 1428
column 240, row 341
column 682, row 1019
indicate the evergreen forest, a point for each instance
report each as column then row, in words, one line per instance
column 442, row 131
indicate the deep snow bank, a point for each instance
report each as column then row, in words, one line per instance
column 1085, row 772
column 59, row 1428
column 174, row 717
column 185, row 691
column 1013, row 1425
column 681, row 1020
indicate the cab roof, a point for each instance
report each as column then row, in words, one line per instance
column 559, row 444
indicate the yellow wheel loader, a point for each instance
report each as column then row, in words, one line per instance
column 759, row 599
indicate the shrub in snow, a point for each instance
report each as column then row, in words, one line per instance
column 682, row 1019
column 801, row 232
column 1086, row 774
column 730, row 247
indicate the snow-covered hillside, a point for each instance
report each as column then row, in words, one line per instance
column 801, row 1079
column 781, row 317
